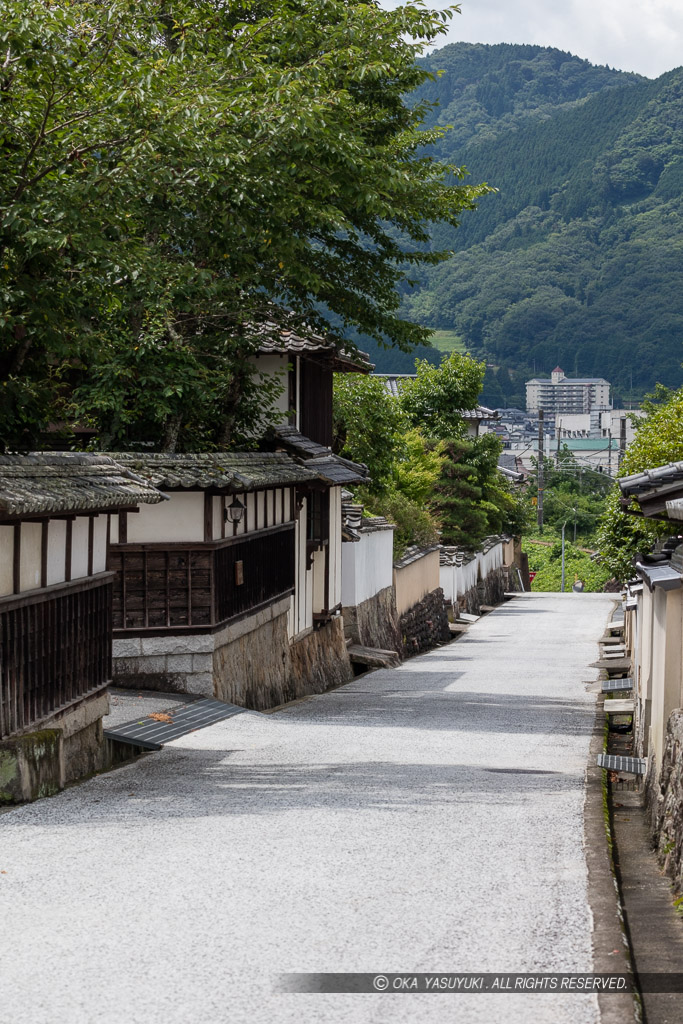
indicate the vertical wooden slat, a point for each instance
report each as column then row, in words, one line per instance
column 67, row 549
column 44, row 540
column 168, row 589
column 91, row 543
column 145, row 585
column 16, row 560
column 208, row 516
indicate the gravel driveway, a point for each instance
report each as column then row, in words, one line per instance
column 425, row 818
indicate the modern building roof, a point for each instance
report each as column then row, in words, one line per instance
column 590, row 444
column 331, row 468
column 507, row 465
column 567, row 380
column 234, row 472
column 280, row 340
column 44, row 483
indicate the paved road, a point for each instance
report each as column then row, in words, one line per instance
column 427, row 818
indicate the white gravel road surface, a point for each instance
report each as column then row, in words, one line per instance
column 425, row 818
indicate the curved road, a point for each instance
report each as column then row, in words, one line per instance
column 426, row 818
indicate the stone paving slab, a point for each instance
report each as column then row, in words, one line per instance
column 424, row 818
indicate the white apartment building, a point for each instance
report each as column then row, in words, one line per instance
column 567, row 395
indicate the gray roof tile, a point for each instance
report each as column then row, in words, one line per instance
column 68, row 482
column 235, row 472
column 333, row 469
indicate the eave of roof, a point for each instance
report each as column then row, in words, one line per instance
column 307, row 343
column 330, row 468
column 231, row 472
column 662, row 576
column 51, row 483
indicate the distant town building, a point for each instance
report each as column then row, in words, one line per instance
column 562, row 394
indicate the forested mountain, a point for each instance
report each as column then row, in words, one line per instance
column 578, row 258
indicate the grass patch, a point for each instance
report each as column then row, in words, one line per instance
column 448, row 341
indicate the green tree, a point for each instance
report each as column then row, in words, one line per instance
column 658, row 440
column 175, row 175
column 436, row 397
column 369, row 426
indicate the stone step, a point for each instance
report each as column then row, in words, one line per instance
column 373, row 657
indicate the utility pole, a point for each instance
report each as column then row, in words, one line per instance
column 562, row 584
column 609, row 453
column 539, row 505
column 559, row 431
column 622, row 439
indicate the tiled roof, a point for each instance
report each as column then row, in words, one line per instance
column 277, row 339
column 51, row 482
column 224, row 471
column 333, row 469
column 659, row 477
column 653, row 490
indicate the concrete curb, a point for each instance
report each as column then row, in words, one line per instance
column 609, row 932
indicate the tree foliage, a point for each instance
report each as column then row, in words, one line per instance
column 175, row 174
column 369, row 426
column 438, row 395
column 658, row 440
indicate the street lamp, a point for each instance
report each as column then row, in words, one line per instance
column 234, row 511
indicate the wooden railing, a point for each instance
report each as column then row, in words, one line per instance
column 197, row 587
column 55, row 647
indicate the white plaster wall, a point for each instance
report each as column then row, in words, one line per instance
column 366, row 567
column 99, row 555
column 335, row 547
column 180, row 519
column 6, row 560
column 490, row 560
column 302, row 602
column 276, row 366
column 658, row 666
column 318, row 572
column 217, row 518
column 114, row 529
column 79, row 548
column 29, row 570
column 56, row 551
column 415, row 580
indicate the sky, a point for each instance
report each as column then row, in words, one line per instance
column 633, row 35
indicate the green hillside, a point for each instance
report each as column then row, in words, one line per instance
column 578, row 258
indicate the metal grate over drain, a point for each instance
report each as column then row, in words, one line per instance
column 614, row 685
column 152, row 733
column 616, row 763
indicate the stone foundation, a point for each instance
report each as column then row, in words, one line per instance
column 65, row 747
column 320, row 660
column 374, row 623
column 250, row 663
column 665, row 802
column 490, row 591
column 425, row 625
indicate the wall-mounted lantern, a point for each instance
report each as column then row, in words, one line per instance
column 234, row 511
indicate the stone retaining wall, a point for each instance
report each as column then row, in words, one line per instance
column 374, row 623
column 665, row 802
column 250, row 663
column 425, row 625
column 490, row 591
